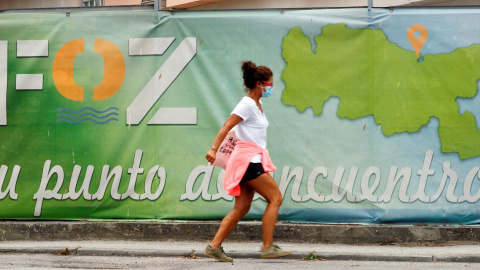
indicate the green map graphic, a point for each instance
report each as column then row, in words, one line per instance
column 373, row 76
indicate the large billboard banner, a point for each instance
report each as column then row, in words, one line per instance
column 109, row 114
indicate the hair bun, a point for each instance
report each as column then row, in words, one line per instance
column 249, row 67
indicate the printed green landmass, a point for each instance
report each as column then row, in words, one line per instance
column 373, row 76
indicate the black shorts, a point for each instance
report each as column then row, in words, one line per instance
column 254, row 170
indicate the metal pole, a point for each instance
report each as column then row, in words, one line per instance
column 370, row 5
column 156, row 5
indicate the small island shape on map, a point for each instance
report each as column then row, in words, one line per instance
column 373, row 76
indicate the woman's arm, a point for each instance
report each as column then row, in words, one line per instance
column 231, row 121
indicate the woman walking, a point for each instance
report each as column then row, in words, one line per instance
column 249, row 164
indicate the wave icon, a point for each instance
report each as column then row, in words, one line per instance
column 87, row 114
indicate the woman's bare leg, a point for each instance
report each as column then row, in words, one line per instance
column 268, row 188
column 240, row 209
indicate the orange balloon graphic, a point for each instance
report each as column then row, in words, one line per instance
column 417, row 42
column 114, row 70
column 62, row 70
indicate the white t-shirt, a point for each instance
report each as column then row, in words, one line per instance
column 253, row 128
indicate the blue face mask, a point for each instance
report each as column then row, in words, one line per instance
column 268, row 91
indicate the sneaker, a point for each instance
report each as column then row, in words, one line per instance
column 217, row 254
column 273, row 251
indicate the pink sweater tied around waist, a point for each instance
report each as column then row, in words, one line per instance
column 238, row 163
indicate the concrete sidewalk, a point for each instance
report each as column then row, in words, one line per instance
column 179, row 238
column 457, row 253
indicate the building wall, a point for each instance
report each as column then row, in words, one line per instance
column 22, row 4
column 264, row 4
column 26, row 4
column 122, row 2
column 284, row 4
column 238, row 4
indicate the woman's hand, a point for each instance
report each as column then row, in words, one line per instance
column 231, row 121
column 211, row 156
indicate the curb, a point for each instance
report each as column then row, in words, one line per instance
column 245, row 231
